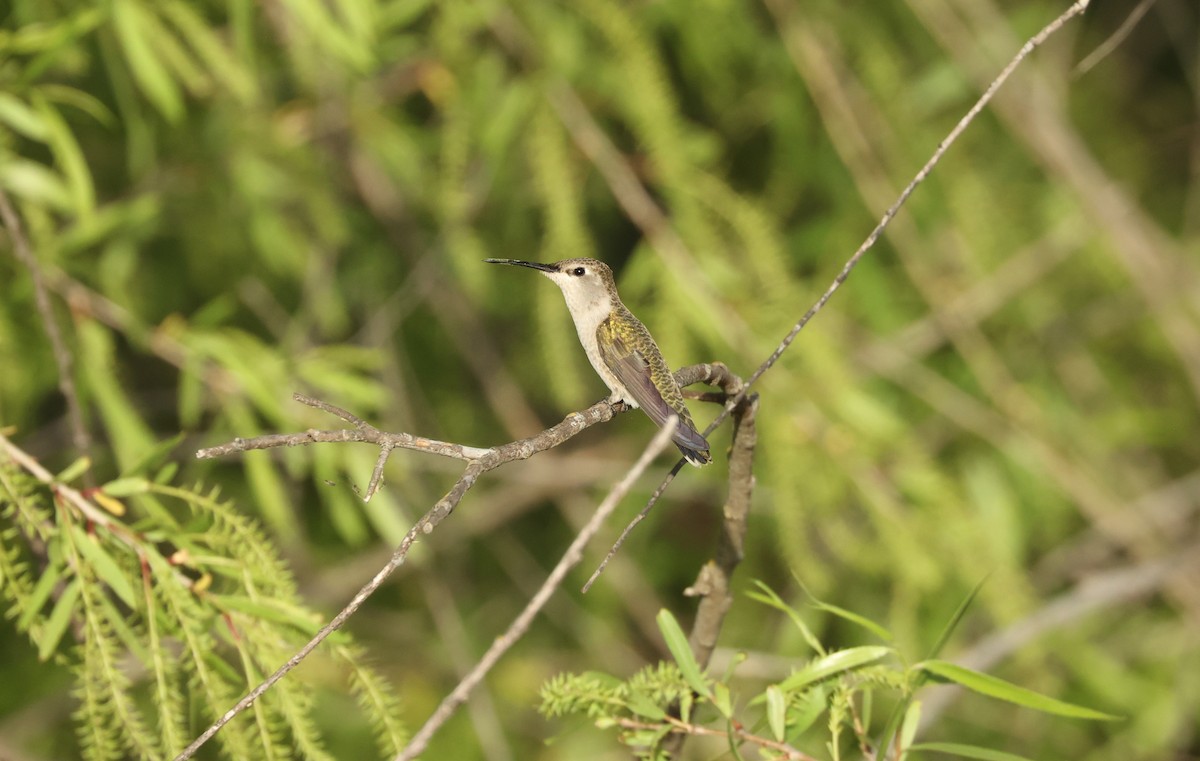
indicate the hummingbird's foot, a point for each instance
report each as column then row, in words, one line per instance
column 618, row 405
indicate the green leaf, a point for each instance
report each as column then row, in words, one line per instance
column 681, row 651
column 776, row 712
column 35, row 182
column 154, row 456
column 85, row 102
column 767, row 596
column 641, row 704
column 898, row 713
column 908, row 730
column 148, row 70
column 104, row 566
column 21, row 118
column 60, row 618
column 68, row 156
column 40, row 594
column 952, row 624
column 985, row 684
column 277, row 610
column 210, row 49
column 811, row 706
column 853, row 618
column 834, row 663
column 126, row 487
column 74, row 470
column 722, row 700
column 969, row 751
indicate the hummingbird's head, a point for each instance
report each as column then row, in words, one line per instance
column 584, row 282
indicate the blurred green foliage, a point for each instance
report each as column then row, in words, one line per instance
column 233, row 201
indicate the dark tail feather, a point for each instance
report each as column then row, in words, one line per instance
column 693, row 446
column 696, row 457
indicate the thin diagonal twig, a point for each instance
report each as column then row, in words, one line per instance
column 62, row 355
column 1030, row 45
column 521, row 623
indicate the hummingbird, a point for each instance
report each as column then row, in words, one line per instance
column 620, row 348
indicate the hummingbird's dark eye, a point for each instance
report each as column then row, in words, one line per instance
column 578, row 272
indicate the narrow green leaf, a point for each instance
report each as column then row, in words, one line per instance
column 277, row 610
column 104, row 566
column 854, row 618
column 40, row 594
column 68, row 156
column 126, row 487
column 722, row 700
column 898, row 713
column 969, row 751
column 952, row 624
column 60, row 618
column 74, row 470
column 148, row 71
column 85, row 102
column 681, row 651
column 15, row 113
column 767, row 596
column 35, row 182
column 908, row 730
column 834, row 663
column 776, row 712
column 985, row 684
column 210, row 49
column 154, row 456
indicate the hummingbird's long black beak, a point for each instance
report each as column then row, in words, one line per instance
column 521, row 263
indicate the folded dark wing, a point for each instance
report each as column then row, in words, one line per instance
column 635, row 374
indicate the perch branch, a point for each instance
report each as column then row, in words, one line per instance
column 478, row 460
column 713, row 373
column 521, row 623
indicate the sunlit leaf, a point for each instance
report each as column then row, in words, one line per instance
column 985, row 684
column 834, row 663
column 681, row 651
column 126, row 487
column 767, row 596
column 60, row 618
column 968, row 751
column 151, row 75
column 104, row 566
column 21, row 118
column 776, row 712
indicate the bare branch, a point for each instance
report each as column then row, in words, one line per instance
column 681, row 728
column 61, row 491
column 714, row 373
column 62, row 355
column 714, row 584
column 479, row 461
column 521, row 623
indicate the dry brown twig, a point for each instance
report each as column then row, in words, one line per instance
column 681, row 728
column 58, row 347
column 479, row 461
column 738, row 402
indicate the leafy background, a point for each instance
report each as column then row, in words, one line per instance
column 232, row 201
